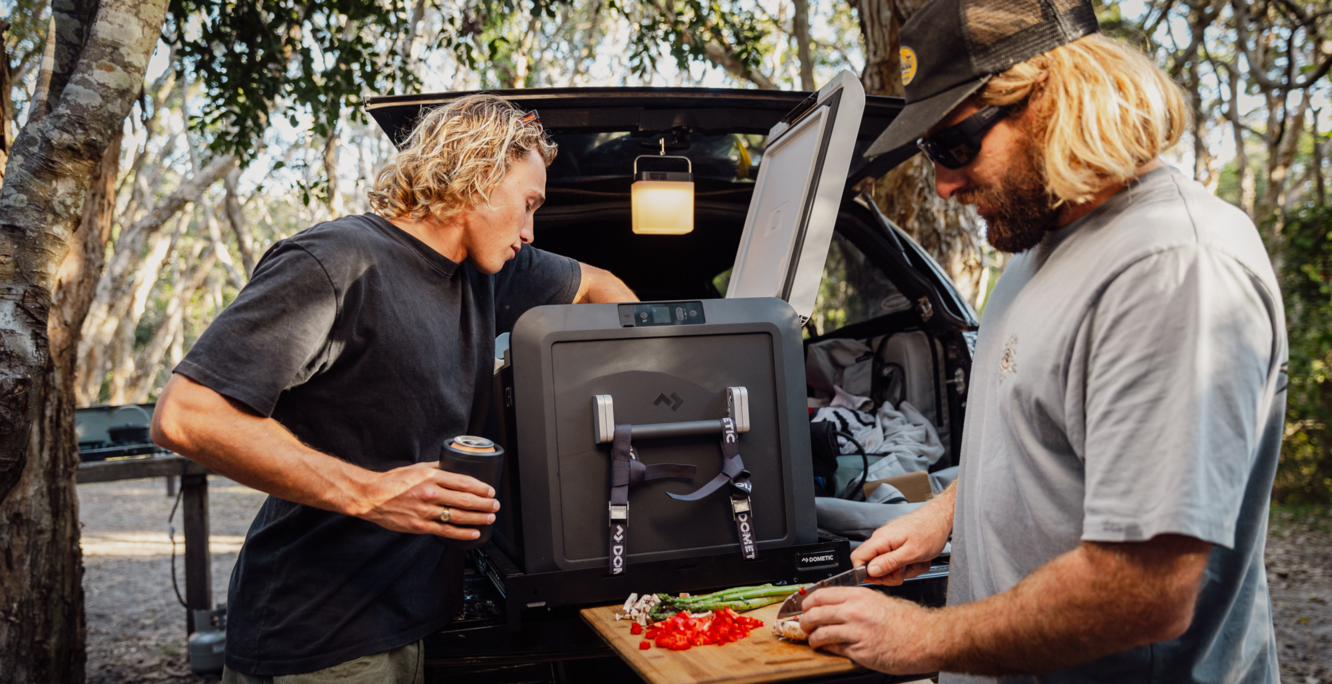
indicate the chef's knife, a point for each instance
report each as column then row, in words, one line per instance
column 791, row 606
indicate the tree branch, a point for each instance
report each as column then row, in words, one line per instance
column 718, row 53
column 1241, row 14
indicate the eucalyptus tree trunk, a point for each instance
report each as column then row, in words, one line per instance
column 100, row 54
column 113, row 300
column 139, row 179
column 119, row 357
column 946, row 229
column 236, row 217
column 1289, row 134
column 331, row 144
column 800, row 32
column 149, row 361
column 210, row 217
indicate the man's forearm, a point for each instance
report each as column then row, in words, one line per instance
column 1091, row 602
column 944, row 504
column 601, row 286
column 206, row 428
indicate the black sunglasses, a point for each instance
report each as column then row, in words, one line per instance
column 956, row 146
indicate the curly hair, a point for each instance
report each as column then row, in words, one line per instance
column 455, row 157
column 1100, row 108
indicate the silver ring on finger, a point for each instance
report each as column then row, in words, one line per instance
column 446, row 515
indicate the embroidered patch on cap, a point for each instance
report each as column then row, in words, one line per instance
column 908, row 66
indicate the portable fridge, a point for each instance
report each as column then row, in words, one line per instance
column 664, row 446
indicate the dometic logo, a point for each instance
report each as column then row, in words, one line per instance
column 746, row 534
column 663, row 399
column 617, row 550
column 816, row 560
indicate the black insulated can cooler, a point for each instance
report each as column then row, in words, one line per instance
column 477, row 457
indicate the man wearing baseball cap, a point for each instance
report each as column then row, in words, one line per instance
column 1128, row 389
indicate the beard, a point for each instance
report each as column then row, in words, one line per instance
column 1018, row 210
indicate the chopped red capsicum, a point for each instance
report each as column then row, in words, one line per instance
column 681, row 632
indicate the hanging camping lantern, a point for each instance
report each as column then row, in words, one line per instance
column 663, row 201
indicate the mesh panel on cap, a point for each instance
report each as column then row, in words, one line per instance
column 1001, row 33
column 987, row 23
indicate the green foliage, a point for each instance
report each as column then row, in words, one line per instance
column 256, row 61
column 483, row 36
column 686, row 27
column 321, row 57
column 1286, row 517
column 1305, row 474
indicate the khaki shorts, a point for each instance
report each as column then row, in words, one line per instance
column 403, row 665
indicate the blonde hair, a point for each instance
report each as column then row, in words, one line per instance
column 455, row 157
column 1099, row 110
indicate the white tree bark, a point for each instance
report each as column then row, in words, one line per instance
column 149, row 361
column 120, row 358
column 112, row 300
column 236, row 217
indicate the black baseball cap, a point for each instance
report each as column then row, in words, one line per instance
column 950, row 48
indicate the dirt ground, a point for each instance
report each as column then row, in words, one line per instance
column 136, row 627
column 1299, row 570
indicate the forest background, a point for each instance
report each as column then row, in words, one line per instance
column 136, row 201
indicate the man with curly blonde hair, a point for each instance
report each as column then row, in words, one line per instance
column 1126, row 400
column 332, row 382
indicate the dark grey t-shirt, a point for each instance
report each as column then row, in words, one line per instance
column 1128, row 382
column 370, row 346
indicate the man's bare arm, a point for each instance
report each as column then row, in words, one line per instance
column 210, row 429
column 599, row 285
column 1098, row 599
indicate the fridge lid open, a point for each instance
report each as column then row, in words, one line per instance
column 797, row 196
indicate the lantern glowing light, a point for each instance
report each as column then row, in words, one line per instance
column 663, row 201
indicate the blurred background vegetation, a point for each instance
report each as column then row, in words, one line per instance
column 251, row 127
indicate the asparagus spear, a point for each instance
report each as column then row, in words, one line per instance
column 664, row 611
column 739, row 599
column 737, row 593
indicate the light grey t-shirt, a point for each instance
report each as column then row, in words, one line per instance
column 1129, row 381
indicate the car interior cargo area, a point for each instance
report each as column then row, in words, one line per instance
column 795, row 357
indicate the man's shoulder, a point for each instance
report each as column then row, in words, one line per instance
column 343, row 247
column 1170, row 212
column 341, row 236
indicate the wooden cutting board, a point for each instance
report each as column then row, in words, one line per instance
column 761, row 657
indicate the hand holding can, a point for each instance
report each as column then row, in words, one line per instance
column 476, row 457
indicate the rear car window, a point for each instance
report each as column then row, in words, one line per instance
column 853, row 290
column 730, row 157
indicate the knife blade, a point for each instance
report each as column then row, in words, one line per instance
column 791, row 607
